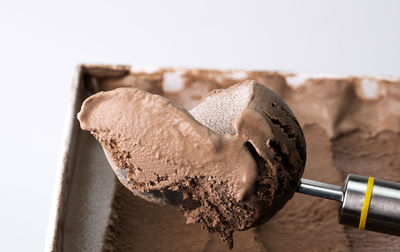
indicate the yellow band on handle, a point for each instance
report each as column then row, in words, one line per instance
column 367, row 201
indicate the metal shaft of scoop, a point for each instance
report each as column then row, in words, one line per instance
column 365, row 202
column 319, row 189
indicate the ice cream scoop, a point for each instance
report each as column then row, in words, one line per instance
column 230, row 163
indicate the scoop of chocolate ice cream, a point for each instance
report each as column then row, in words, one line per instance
column 236, row 158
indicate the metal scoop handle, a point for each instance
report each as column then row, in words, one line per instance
column 366, row 203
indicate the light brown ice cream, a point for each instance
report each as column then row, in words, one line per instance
column 351, row 125
column 237, row 157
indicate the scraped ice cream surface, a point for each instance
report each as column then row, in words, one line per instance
column 351, row 125
column 229, row 163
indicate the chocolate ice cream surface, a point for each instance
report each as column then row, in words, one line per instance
column 231, row 162
column 351, row 125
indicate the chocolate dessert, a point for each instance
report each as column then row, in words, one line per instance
column 351, row 125
column 236, row 157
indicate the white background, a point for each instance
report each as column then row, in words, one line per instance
column 42, row 41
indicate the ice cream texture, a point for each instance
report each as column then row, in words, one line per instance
column 350, row 123
column 236, row 157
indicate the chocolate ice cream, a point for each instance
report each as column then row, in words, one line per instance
column 236, row 158
column 351, row 125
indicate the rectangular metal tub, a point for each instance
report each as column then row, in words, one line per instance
column 85, row 183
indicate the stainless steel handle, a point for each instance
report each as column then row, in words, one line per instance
column 380, row 200
column 319, row 189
